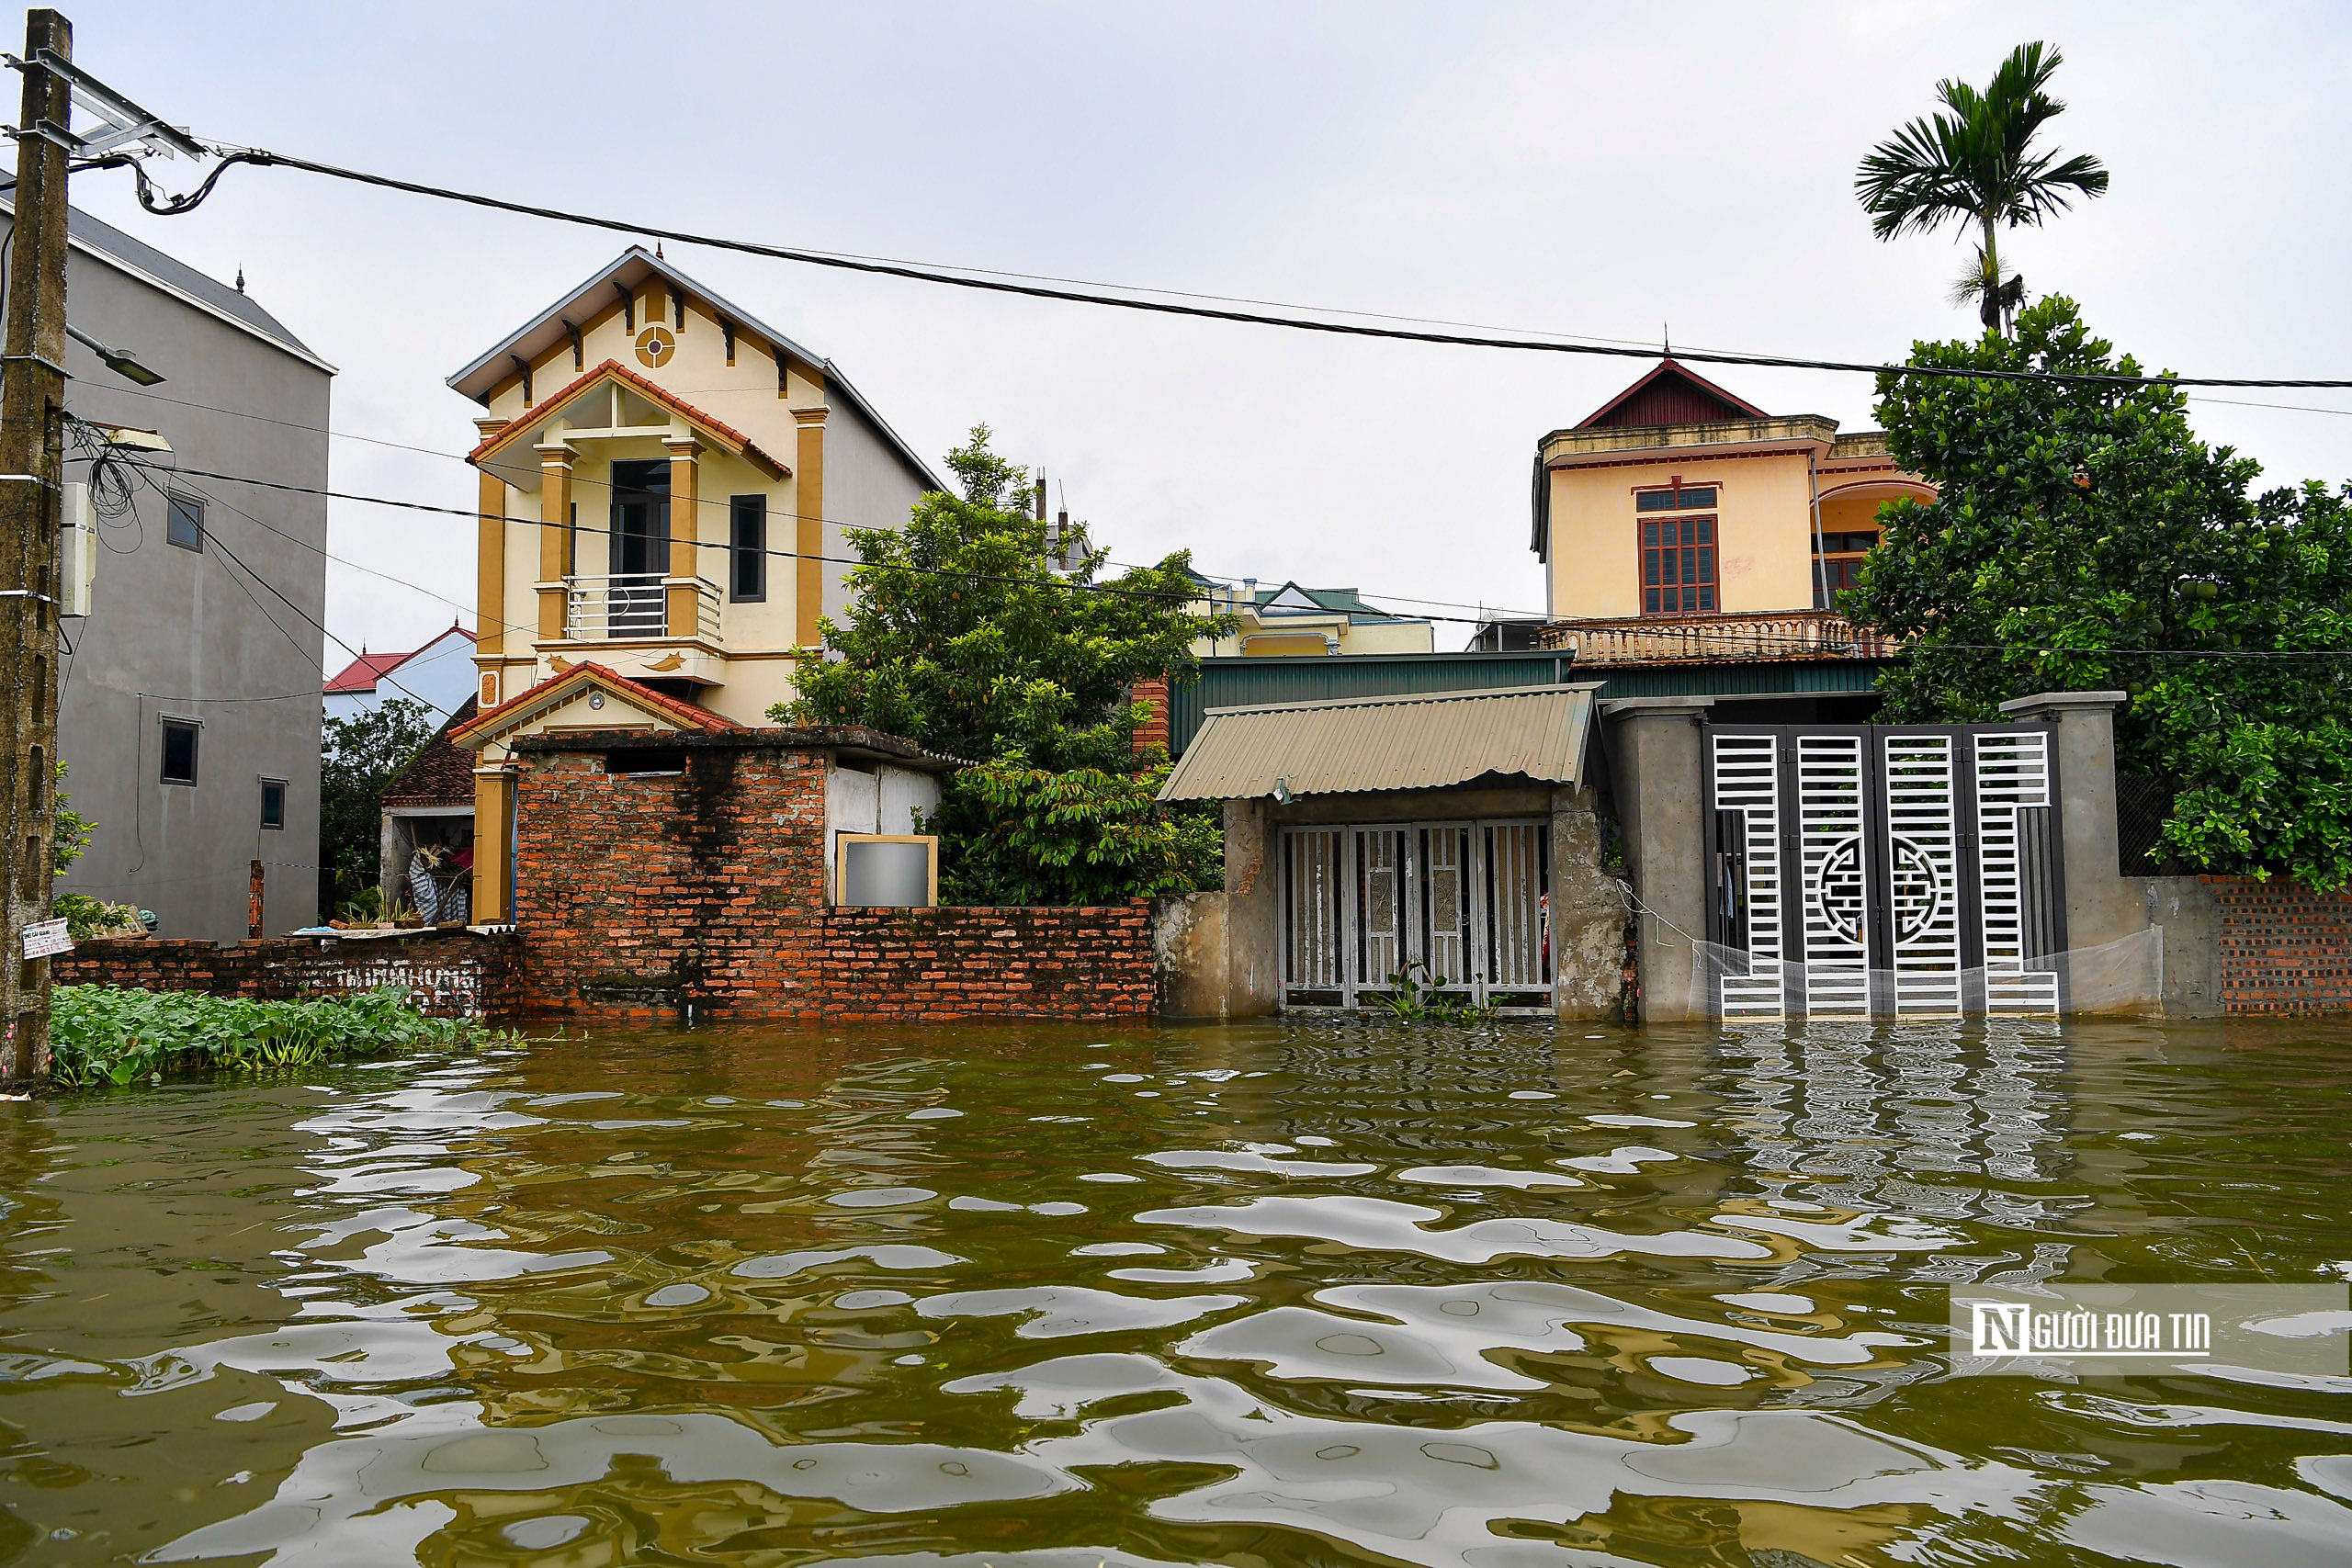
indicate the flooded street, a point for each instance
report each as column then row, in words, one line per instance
column 1268, row 1294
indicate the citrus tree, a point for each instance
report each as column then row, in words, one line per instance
column 962, row 638
column 2084, row 538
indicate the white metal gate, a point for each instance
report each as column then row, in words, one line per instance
column 1908, row 873
column 1469, row 901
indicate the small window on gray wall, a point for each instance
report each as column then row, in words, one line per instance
column 273, row 802
column 747, row 573
column 179, row 751
column 185, row 527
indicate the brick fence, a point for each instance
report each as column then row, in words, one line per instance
column 2284, row 949
column 450, row 973
column 703, row 889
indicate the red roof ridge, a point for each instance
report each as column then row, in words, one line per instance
column 689, row 715
column 654, row 389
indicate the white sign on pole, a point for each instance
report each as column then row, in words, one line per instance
column 47, row 939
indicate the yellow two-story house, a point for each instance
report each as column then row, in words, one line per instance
column 1680, row 523
column 665, row 483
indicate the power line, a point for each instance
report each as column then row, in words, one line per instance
column 1729, row 637
column 214, row 540
column 1091, row 295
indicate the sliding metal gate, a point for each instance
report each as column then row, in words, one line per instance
column 1469, row 901
column 1894, row 871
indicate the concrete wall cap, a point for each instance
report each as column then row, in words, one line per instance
column 2058, row 702
column 1625, row 707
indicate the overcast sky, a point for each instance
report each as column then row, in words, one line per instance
column 1608, row 170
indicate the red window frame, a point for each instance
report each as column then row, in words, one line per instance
column 1678, row 565
column 1838, row 557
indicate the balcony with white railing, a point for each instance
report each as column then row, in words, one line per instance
column 1770, row 636
column 633, row 606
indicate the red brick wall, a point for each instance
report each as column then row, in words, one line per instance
column 643, row 895
column 2284, row 949
column 450, row 973
column 1152, row 731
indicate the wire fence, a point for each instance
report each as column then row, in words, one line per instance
column 2143, row 805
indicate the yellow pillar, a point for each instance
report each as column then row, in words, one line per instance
column 683, row 588
column 489, row 558
column 555, row 538
column 809, row 533
column 494, row 845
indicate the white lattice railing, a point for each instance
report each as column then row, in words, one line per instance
column 635, row 604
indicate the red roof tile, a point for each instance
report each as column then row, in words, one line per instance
column 439, row 774
column 686, row 714
column 362, row 673
column 653, row 389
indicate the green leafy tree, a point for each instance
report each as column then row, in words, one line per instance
column 2084, row 538
column 358, row 759
column 1974, row 162
column 962, row 638
column 1086, row 836
column 74, row 830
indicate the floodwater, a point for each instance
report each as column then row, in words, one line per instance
column 1279, row 1294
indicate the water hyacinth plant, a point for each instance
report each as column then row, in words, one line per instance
column 106, row 1035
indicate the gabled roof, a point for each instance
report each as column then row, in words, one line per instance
column 1671, row 393
column 718, row 431
column 578, row 681
column 1293, row 598
column 363, row 673
column 536, row 337
column 171, row 275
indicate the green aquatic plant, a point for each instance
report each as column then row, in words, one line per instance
column 112, row 1035
column 1423, row 998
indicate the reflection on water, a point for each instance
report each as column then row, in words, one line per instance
column 1267, row 1295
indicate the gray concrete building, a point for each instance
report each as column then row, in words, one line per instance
column 190, row 712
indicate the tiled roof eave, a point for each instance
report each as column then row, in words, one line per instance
column 547, row 407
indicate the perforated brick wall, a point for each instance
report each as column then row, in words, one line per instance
column 2284, row 949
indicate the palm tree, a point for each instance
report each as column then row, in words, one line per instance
column 1975, row 162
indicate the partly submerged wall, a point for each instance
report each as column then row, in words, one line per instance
column 449, row 973
column 702, row 893
column 2284, row 949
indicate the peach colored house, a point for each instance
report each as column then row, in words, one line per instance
column 664, row 484
column 1679, row 522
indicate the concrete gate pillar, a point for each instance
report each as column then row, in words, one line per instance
column 1253, row 910
column 1658, row 767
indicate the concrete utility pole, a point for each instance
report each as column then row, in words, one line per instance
column 32, row 462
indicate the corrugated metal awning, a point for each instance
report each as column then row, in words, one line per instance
column 1354, row 745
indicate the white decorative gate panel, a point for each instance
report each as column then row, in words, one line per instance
column 1468, row 903
column 1912, row 872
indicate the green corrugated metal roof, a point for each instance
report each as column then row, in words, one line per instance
column 1239, row 682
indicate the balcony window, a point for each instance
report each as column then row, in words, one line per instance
column 1678, row 564
column 1839, row 560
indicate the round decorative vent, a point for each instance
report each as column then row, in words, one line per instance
column 655, row 347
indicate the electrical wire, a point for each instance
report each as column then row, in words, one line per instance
column 974, row 278
column 214, row 540
column 1730, row 637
